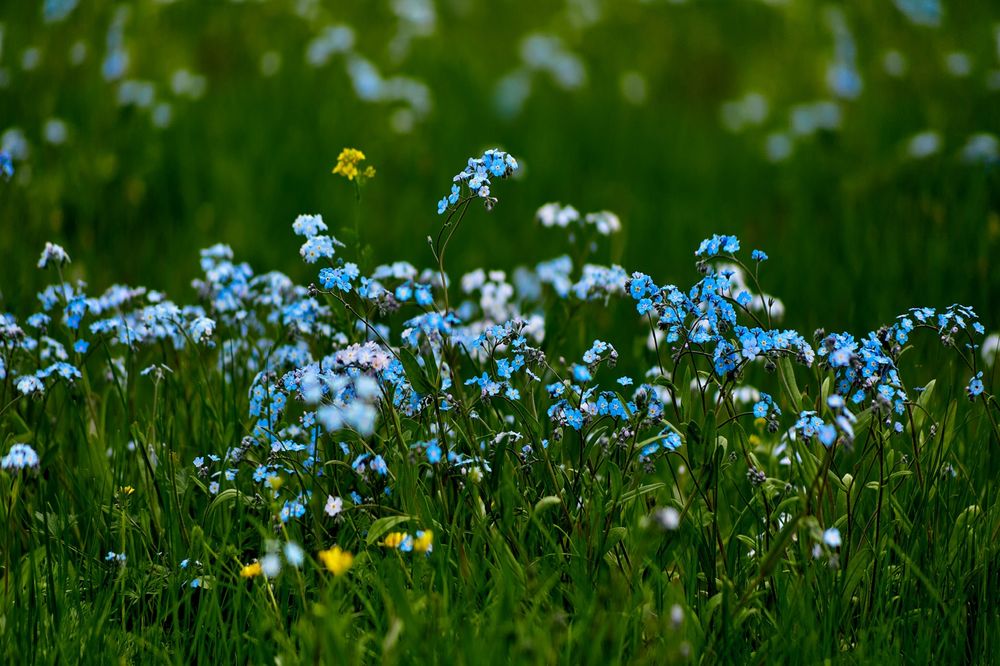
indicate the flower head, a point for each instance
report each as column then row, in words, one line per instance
column 294, row 554
column 20, row 456
column 476, row 176
column 668, row 518
column 6, row 165
column 424, row 543
column 347, row 165
column 334, row 505
column 270, row 565
column 30, row 384
column 316, row 247
column 975, row 387
column 336, row 560
column 251, row 570
column 309, row 225
column 394, row 539
column 53, row 254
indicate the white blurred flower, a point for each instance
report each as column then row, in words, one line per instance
column 668, row 518
column 991, row 348
column 924, row 144
column 55, row 131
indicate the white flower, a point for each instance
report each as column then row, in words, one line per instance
column 607, row 223
column 53, row 252
column 334, row 505
column 270, row 564
column 991, row 348
column 668, row 518
column 294, row 554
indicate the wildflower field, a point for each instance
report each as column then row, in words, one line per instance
column 437, row 331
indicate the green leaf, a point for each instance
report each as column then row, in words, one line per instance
column 639, row 492
column 547, row 502
column 687, row 394
column 856, row 572
column 383, row 526
column 615, row 536
column 229, row 496
column 923, row 402
column 925, row 395
column 778, row 549
column 415, row 373
column 665, row 382
column 505, row 557
column 693, row 435
column 787, row 375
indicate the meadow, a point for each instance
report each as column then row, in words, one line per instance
column 569, row 332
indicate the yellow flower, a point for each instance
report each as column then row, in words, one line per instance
column 424, row 542
column 393, row 540
column 127, row 490
column 347, row 165
column 276, row 482
column 336, row 560
column 251, row 570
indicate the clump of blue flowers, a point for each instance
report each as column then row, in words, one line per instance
column 20, row 457
column 6, row 165
column 349, row 392
column 475, row 179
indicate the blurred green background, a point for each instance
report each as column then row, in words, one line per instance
column 853, row 141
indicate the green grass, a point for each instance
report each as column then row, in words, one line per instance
column 561, row 560
column 131, row 202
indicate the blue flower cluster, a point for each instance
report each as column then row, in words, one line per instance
column 6, row 165
column 20, row 457
column 335, row 380
column 476, row 178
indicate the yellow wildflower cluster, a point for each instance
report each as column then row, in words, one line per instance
column 394, row 540
column 422, row 542
column 336, row 560
column 251, row 570
column 347, row 165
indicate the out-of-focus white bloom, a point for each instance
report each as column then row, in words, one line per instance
column 556, row 215
column 668, row 518
column 605, row 221
column 55, row 131
column 981, row 148
column 958, row 64
column 750, row 110
column 778, row 146
column 923, row 144
column 991, row 348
